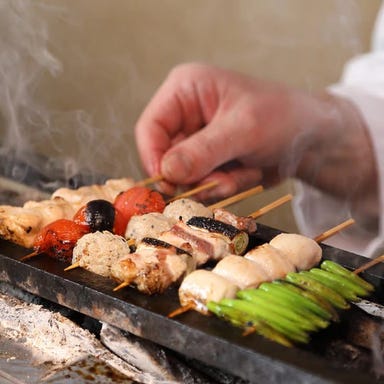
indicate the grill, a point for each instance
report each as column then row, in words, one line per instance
column 334, row 355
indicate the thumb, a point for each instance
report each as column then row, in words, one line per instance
column 199, row 154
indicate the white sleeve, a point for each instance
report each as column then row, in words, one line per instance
column 362, row 83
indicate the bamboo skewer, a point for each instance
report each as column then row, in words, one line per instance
column 325, row 235
column 194, row 191
column 237, row 198
column 369, row 264
column 262, row 211
column 150, row 180
column 30, row 255
column 121, row 286
column 72, row 266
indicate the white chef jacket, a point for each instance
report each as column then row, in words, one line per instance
column 362, row 82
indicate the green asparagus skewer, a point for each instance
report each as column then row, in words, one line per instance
column 333, row 267
column 305, row 280
column 275, row 320
column 242, row 320
column 292, row 310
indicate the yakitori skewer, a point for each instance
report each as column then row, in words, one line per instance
column 256, row 214
column 192, row 306
column 77, row 231
column 190, row 193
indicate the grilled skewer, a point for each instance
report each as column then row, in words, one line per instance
column 194, row 240
column 300, row 253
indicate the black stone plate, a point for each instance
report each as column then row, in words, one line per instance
column 206, row 339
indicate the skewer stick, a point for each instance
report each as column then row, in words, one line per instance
column 282, row 200
column 121, row 286
column 238, row 197
column 131, row 242
column 73, row 266
column 181, row 310
column 30, row 255
column 370, row 264
column 325, row 235
column 194, row 191
column 150, row 180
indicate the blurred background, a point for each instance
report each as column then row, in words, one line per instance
column 76, row 74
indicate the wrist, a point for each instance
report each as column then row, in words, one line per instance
column 340, row 159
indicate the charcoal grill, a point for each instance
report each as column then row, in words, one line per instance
column 206, row 339
column 200, row 338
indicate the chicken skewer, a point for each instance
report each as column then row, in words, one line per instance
column 154, row 223
column 297, row 251
column 153, row 267
column 128, row 263
column 21, row 225
column 204, row 238
column 98, row 214
column 210, row 247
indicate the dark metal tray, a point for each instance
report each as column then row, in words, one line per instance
column 206, row 339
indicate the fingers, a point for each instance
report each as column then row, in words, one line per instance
column 199, row 154
column 175, row 111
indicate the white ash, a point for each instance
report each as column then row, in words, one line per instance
column 52, row 338
column 57, row 342
column 149, row 357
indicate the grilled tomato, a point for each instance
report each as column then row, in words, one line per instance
column 100, row 215
column 138, row 200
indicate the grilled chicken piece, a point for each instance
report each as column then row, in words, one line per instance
column 20, row 225
column 202, row 244
column 238, row 239
column 148, row 225
column 153, row 267
column 240, row 271
column 302, row 251
column 202, row 286
column 184, row 209
column 81, row 196
column 98, row 251
column 246, row 224
column 268, row 258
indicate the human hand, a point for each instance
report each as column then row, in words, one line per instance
column 206, row 123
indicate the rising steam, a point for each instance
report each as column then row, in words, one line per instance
column 27, row 125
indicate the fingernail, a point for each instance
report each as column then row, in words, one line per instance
column 176, row 166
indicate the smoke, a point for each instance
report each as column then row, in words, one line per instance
column 24, row 59
column 32, row 132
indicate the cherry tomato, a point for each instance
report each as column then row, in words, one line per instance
column 120, row 224
column 58, row 239
column 138, row 201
